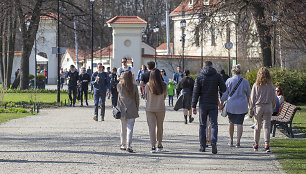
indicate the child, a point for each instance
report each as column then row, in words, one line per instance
column 171, row 88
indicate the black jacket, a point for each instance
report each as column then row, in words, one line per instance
column 207, row 84
column 74, row 77
column 84, row 85
column 186, row 82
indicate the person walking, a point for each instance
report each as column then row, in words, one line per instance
column 262, row 102
column 84, row 79
column 146, row 76
column 128, row 104
column 178, row 75
column 237, row 95
column 156, row 93
column 100, row 82
column 139, row 76
column 62, row 78
column 207, row 85
column 184, row 89
column 113, row 83
column 224, row 77
column 73, row 78
column 171, row 88
column 164, row 76
column 124, row 68
column 108, row 72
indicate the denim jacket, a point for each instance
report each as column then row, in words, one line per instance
column 103, row 84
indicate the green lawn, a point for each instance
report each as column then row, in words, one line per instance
column 38, row 97
column 299, row 120
column 291, row 153
column 4, row 117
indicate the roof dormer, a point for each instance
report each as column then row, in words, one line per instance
column 191, row 3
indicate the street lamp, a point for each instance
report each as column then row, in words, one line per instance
column 156, row 30
column 201, row 28
column 58, row 54
column 183, row 26
column 92, row 41
column 274, row 19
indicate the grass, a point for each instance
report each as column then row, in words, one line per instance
column 299, row 120
column 38, row 97
column 5, row 117
column 291, row 153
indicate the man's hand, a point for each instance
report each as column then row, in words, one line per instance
column 107, row 91
column 85, row 80
column 221, row 106
column 252, row 113
column 194, row 110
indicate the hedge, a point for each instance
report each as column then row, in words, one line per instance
column 292, row 82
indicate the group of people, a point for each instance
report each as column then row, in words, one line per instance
column 209, row 91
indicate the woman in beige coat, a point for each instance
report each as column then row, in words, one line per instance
column 262, row 102
column 128, row 104
column 156, row 92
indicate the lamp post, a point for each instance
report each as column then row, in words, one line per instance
column 92, row 41
column 58, row 54
column 183, row 26
column 274, row 18
column 156, row 30
column 201, row 28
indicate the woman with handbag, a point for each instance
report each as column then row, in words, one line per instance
column 128, row 105
column 237, row 96
column 156, row 93
column 262, row 102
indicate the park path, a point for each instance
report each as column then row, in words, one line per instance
column 67, row 140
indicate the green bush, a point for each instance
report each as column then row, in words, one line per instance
column 13, row 110
column 33, row 91
column 40, row 77
column 31, row 76
column 291, row 81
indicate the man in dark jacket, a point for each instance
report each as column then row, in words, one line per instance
column 73, row 78
column 84, row 79
column 101, row 86
column 113, row 82
column 207, row 85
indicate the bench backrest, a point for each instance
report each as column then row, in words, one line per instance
column 284, row 109
column 287, row 112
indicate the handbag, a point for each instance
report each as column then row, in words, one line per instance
column 224, row 110
column 116, row 113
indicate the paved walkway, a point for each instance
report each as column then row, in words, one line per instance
column 67, row 140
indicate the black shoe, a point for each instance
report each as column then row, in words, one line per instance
column 95, row 118
column 160, row 148
column 129, row 149
column 86, row 103
column 73, row 105
column 153, row 150
column 70, row 105
column 185, row 116
column 81, row 105
column 191, row 119
column 214, row 148
column 102, row 118
column 202, row 149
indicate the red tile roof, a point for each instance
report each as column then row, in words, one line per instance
column 184, row 7
column 82, row 54
column 104, row 52
column 195, row 57
column 126, row 20
column 163, row 46
column 45, row 16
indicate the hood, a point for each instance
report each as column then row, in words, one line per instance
column 208, row 71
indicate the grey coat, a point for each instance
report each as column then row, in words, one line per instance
column 128, row 107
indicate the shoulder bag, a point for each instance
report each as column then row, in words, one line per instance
column 224, row 110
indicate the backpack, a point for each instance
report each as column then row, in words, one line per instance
column 113, row 80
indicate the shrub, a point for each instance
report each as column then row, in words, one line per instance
column 31, row 76
column 291, row 81
column 40, row 77
column 13, row 110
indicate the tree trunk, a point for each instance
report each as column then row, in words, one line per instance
column 5, row 49
column 28, row 37
column 1, row 52
column 264, row 34
column 11, row 44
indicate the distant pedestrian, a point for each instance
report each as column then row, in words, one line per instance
column 89, row 71
column 113, row 83
column 128, row 104
column 73, row 78
column 262, row 102
column 108, row 71
column 146, row 77
column 178, row 75
column 171, row 88
column 142, row 70
column 164, row 76
column 237, row 95
column 84, row 79
column 16, row 73
column 207, row 85
column 100, row 82
column 224, row 77
column 124, row 68
column 62, row 78
column 156, row 93
column 184, row 89
column 46, row 75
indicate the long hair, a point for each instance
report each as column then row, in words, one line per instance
column 127, row 84
column 280, row 90
column 263, row 77
column 156, row 84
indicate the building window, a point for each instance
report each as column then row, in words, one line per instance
column 228, row 33
column 213, row 35
column 142, row 51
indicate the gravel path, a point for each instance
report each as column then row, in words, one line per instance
column 67, row 140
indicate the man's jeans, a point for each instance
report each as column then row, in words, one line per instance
column 72, row 90
column 101, row 95
column 212, row 111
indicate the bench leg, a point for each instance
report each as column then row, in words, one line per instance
column 274, row 130
column 291, row 132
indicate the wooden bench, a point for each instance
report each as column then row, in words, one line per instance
column 284, row 118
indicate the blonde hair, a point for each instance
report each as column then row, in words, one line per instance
column 263, row 77
column 127, row 84
column 236, row 69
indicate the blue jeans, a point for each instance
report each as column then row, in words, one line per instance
column 97, row 97
column 204, row 111
column 170, row 100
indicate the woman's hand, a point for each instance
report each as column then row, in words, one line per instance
column 252, row 113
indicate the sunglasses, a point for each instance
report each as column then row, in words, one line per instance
column 277, row 90
column 123, row 61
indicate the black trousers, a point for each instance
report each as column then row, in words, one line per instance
column 85, row 92
column 114, row 93
column 72, row 90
